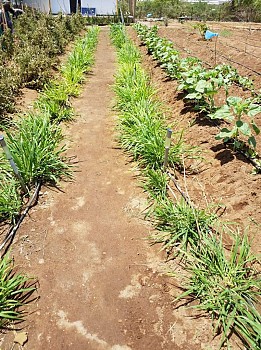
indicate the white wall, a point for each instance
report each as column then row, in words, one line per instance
column 103, row 7
column 42, row 5
column 56, row 5
column 60, row 6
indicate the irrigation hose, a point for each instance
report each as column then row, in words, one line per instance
column 14, row 229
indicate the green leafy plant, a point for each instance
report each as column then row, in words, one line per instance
column 155, row 183
column 227, row 286
column 35, row 147
column 241, row 112
column 182, row 226
column 202, row 28
column 15, row 290
column 10, row 200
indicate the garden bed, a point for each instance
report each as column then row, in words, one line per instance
column 223, row 176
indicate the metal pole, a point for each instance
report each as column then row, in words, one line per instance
column 167, row 147
column 12, row 163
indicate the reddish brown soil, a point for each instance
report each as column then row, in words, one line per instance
column 223, row 177
column 238, row 45
column 99, row 279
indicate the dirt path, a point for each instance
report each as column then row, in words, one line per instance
column 98, row 286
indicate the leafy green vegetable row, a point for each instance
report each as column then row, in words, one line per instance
column 200, row 86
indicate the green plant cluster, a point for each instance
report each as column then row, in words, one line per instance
column 55, row 97
column 222, row 282
column 142, row 120
column 102, row 20
column 27, row 55
column 36, row 140
column 200, row 85
column 38, row 149
column 16, row 289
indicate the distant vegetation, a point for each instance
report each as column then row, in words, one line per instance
column 234, row 10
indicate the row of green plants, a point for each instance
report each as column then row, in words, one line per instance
column 38, row 147
column 35, row 138
column 201, row 85
column 27, row 55
column 221, row 282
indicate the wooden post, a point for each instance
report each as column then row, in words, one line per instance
column 4, row 19
column 134, row 10
column 216, row 50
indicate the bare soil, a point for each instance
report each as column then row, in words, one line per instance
column 101, row 284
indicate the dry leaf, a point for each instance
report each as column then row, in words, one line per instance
column 21, row 338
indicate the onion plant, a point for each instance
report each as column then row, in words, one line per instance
column 181, row 225
column 227, row 286
column 55, row 98
column 15, row 290
column 10, row 200
column 35, row 147
column 141, row 119
column 55, row 101
column 82, row 57
column 155, row 183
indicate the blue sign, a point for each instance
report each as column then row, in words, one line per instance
column 88, row 11
column 210, row 35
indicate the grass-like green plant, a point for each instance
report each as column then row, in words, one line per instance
column 180, row 225
column 155, row 183
column 55, row 98
column 118, row 35
column 36, row 148
column 82, row 58
column 10, row 200
column 55, row 101
column 15, row 289
column 227, row 286
column 225, row 283
column 141, row 119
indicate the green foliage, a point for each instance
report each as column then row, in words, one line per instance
column 35, row 141
column 28, row 54
column 182, row 225
column 55, row 101
column 224, row 283
column 155, row 183
column 200, row 86
column 55, row 98
column 236, row 10
column 15, row 290
column 227, row 287
column 202, row 28
column 241, row 112
column 10, row 200
column 142, row 132
column 35, row 147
